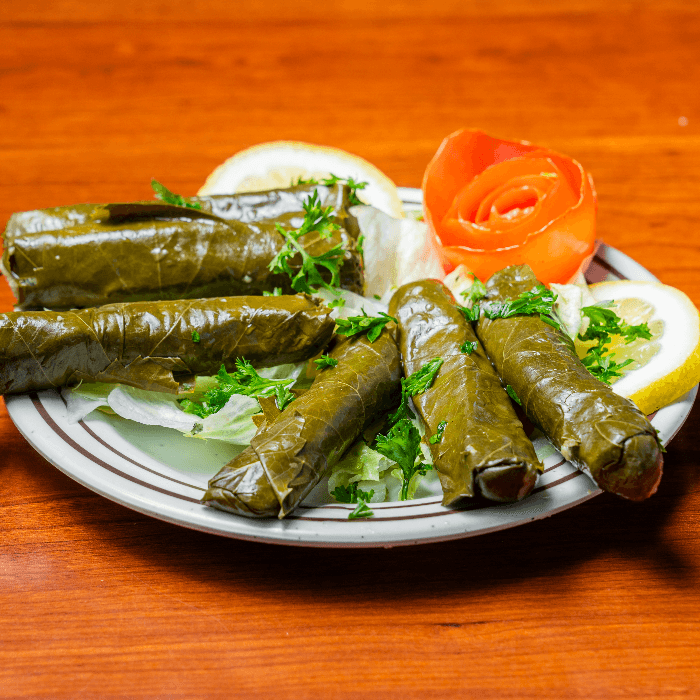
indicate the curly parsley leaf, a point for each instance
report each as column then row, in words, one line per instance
column 308, row 278
column 476, row 292
column 538, row 301
column 469, row 346
column 603, row 324
column 511, row 392
column 471, row 314
column 325, row 361
column 333, row 180
column 352, row 494
column 421, row 380
column 435, row 439
column 195, row 337
column 276, row 292
column 246, row 381
column 357, row 325
column 165, row 195
column 402, row 444
column 283, row 397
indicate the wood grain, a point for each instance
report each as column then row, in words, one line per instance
column 602, row 601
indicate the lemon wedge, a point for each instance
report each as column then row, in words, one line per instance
column 666, row 366
column 281, row 163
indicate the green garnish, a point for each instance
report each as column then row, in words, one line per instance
column 476, row 292
column 470, row 313
column 316, row 218
column 337, row 303
column 359, row 247
column 165, row 195
column 603, row 325
column 538, row 300
column 356, row 325
column 434, row 439
column 658, row 441
column 245, row 380
column 402, row 444
column 195, row 337
column 469, row 346
column 325, row 361
column 352, row 494
column 283, row 397
column 333, row 180
column 511, row 392
column 421, row 380
column 276, row 292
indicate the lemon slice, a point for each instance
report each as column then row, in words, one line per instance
column 281, row 163
column 667, row 366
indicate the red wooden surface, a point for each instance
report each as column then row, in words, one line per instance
column 601, row 601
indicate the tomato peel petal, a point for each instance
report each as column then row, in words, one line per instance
column 548, row 225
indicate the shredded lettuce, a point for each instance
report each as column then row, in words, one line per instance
column 233, row 423
column 406, row 242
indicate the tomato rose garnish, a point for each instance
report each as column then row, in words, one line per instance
column 493, row 203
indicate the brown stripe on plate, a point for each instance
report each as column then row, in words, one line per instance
column 447, row 511
column 105, row 465
column 96, row 437
column 96, row 460
column 599, row 269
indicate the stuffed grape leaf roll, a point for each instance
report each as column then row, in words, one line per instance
column 278, row 204
column 89, row 255
column 484, row 449
column 291, row 454
column 149, row 344
column 600, row 432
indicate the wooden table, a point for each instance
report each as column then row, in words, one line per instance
column 601, row 601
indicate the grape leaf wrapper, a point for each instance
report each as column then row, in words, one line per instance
column 148, row 344
column 601, row 433
column 288, row 458
column 484, row 449
column 94, row 254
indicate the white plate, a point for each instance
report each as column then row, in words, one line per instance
column 161, row 473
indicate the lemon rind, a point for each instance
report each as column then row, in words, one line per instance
column 260, row 159
column 654, row 385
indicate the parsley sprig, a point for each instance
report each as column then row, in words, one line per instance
column 439, row 433
column 511, row 392
column 421, row 380
column 352, row 494
column 165, row 195
column 402, row 444
column 325, row 361
column 357, row 325
column 308, row 278
column 334, row 180
column 471, row 313
column 476, row 292
column 246, row 381
column 603, row 325
column 538, row 301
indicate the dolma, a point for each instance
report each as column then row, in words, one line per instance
column 149, row 344
column 484, row 449
column 90, row 255
column 278, row 204
column 290, row 455
column 601, row 433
